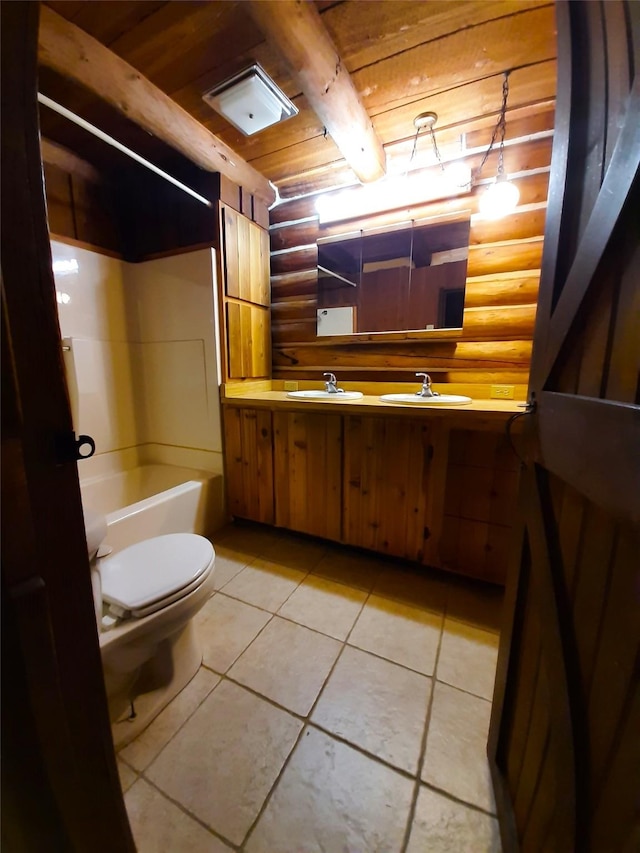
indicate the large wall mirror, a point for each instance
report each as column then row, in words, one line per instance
column 407, row 277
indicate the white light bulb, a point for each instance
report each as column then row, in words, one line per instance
column 500, row 199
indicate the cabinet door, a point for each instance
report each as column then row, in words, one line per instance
column 248, row 330
column 386, row 472
column 249, row 463
column 246, row 258
column 480, row 501
column 308, row 472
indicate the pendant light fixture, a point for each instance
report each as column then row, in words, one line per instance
column 502, row 195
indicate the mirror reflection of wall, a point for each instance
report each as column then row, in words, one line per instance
column 405, row 278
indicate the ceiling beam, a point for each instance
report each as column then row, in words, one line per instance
column 76, row 55
column 63, row 158
column 294, row 29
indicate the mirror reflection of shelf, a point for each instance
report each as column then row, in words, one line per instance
column 405, row 278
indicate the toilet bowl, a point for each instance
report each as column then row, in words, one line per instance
column 146, row 597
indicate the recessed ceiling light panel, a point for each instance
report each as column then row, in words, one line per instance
column 250, row 100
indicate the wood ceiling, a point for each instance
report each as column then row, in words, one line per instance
column 403, row 57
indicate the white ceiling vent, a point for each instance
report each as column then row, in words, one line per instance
column 250, row 100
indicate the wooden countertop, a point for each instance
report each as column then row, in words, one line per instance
column 477, row 410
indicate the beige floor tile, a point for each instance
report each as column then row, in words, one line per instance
column 349, row 567
column 331, row 799
column 376, row 705
column 127, row 776
column 229, row 562
column 442, row 826
column 456, row 756
column 226, row 627
column 417, row 588
column 223, row 762
column 159, row 825
column 325, row 606
column 468, row 658
column 287, row 663
column 141, row 752
column 401, row 633
column 294, row 552
column 264, row 584
column 476, row 604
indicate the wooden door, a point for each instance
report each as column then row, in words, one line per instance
column 60, row 783
column 308, row 472
column 386, row 484
column 564, row 743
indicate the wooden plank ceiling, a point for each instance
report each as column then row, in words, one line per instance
column 404, row 58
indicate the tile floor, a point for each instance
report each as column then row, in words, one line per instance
column 342, row 706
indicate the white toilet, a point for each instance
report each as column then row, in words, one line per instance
column 145, row 598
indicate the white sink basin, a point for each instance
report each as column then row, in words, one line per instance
column 416, row 400
column 324, row 395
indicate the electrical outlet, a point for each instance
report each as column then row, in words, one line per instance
column 503, row 392
column 290, row 385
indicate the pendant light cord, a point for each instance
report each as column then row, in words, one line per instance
column 500, row 128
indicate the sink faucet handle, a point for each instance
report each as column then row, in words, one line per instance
column 426, row 390
column 332, row 384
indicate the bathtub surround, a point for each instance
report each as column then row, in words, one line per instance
column 143, row 363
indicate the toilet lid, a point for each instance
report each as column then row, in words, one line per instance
column 153, row 570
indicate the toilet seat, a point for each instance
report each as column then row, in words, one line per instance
column 147, row 576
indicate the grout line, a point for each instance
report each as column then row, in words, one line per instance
column 190, row 814
column 302, row 731
column 449, row 796
column 423, row 745
column 180, row 727
column 462, row 690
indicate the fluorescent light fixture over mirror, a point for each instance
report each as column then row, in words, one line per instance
column 393, row 192
column 250, row 100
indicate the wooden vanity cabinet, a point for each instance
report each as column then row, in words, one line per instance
column 249, row 463
column 417, row 488
column 386, row 484
column 307, row 455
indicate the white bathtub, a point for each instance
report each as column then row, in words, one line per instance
column 155, row 499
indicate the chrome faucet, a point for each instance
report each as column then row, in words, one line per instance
column 331, row 384
column 426, row 390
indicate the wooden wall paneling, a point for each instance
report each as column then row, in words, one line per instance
column 404, row 355
column 244, row 258
column 508, row 256
column 94, row 215
column 248, row 438
column 59, row 202
column 308, row 473
column 248, row 341
column 230, row 232
column 499, row 322
column 259, row 291
column 519, row 288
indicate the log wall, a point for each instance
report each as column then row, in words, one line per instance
column 501, row 289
